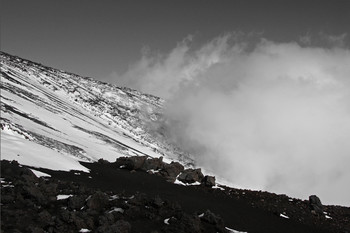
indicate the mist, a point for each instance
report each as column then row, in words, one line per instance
column 259, row 114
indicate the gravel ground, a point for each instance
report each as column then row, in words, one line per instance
column 111, row 199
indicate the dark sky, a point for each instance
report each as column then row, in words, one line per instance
column 95, row 38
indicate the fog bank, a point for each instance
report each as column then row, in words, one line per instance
column 263, row 115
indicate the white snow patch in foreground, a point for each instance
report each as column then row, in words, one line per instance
column 84, row 230
column 63, row 196
column 234, row 231
column 39, row 173
column 283, row 216
column 327, row 216
column 166, row 221
column 116, row 209
column 182, row 183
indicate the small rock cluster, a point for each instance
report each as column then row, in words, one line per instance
column 170, row 171
column 38, row 205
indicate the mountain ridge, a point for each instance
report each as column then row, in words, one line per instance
column 119, row 110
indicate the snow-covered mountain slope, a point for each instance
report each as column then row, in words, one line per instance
column 53, row 119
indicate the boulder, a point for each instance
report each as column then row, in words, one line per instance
column 153, row 163
column 97, row 201
column 208, row 181
column 214, row 220
column 103, row 161
column 76, row 202
column 131, row 163
column 172, row 170
column 191, row 176
column 210, row 217
column 315, row 205
column 157, row 202
column 185, row 223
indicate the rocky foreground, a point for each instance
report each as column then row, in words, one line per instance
column 138, row 195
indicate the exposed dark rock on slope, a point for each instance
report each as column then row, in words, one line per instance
column 111, row 199
column 31, row 204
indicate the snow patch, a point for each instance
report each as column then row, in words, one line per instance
column 185, row 184
column 234, row 231
column 63, row 196
column 166, row 221
column 39, row 173
column 284, row 216
column 15, row 147
column 218, row 187
column 116, row 209
column 84, row 230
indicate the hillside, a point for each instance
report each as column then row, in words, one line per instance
column 71, row 118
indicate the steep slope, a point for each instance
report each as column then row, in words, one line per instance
column 53, row 119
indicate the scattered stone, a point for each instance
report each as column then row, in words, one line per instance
column 131, row 163
column 26, row 207
column 214, row 220
column 76, row 202
column 315, row 205
column 208, row 181
column 153, row 164
column 209, row 217
column 191, row 175
column 171, row 171
column 103, row 161
column 157, row 202
column 98, row 201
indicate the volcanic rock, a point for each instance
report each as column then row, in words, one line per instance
column 172, row 170
column 131, row 163
column 97, row 201
column 153, row 163
column 76, row 202
column 315, row 204
column 208, row 181
column 191, row 176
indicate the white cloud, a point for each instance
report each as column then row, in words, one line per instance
column 272, row 116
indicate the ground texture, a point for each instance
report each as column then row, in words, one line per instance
column 112, row 199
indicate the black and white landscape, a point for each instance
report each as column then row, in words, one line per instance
column 225, row 116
